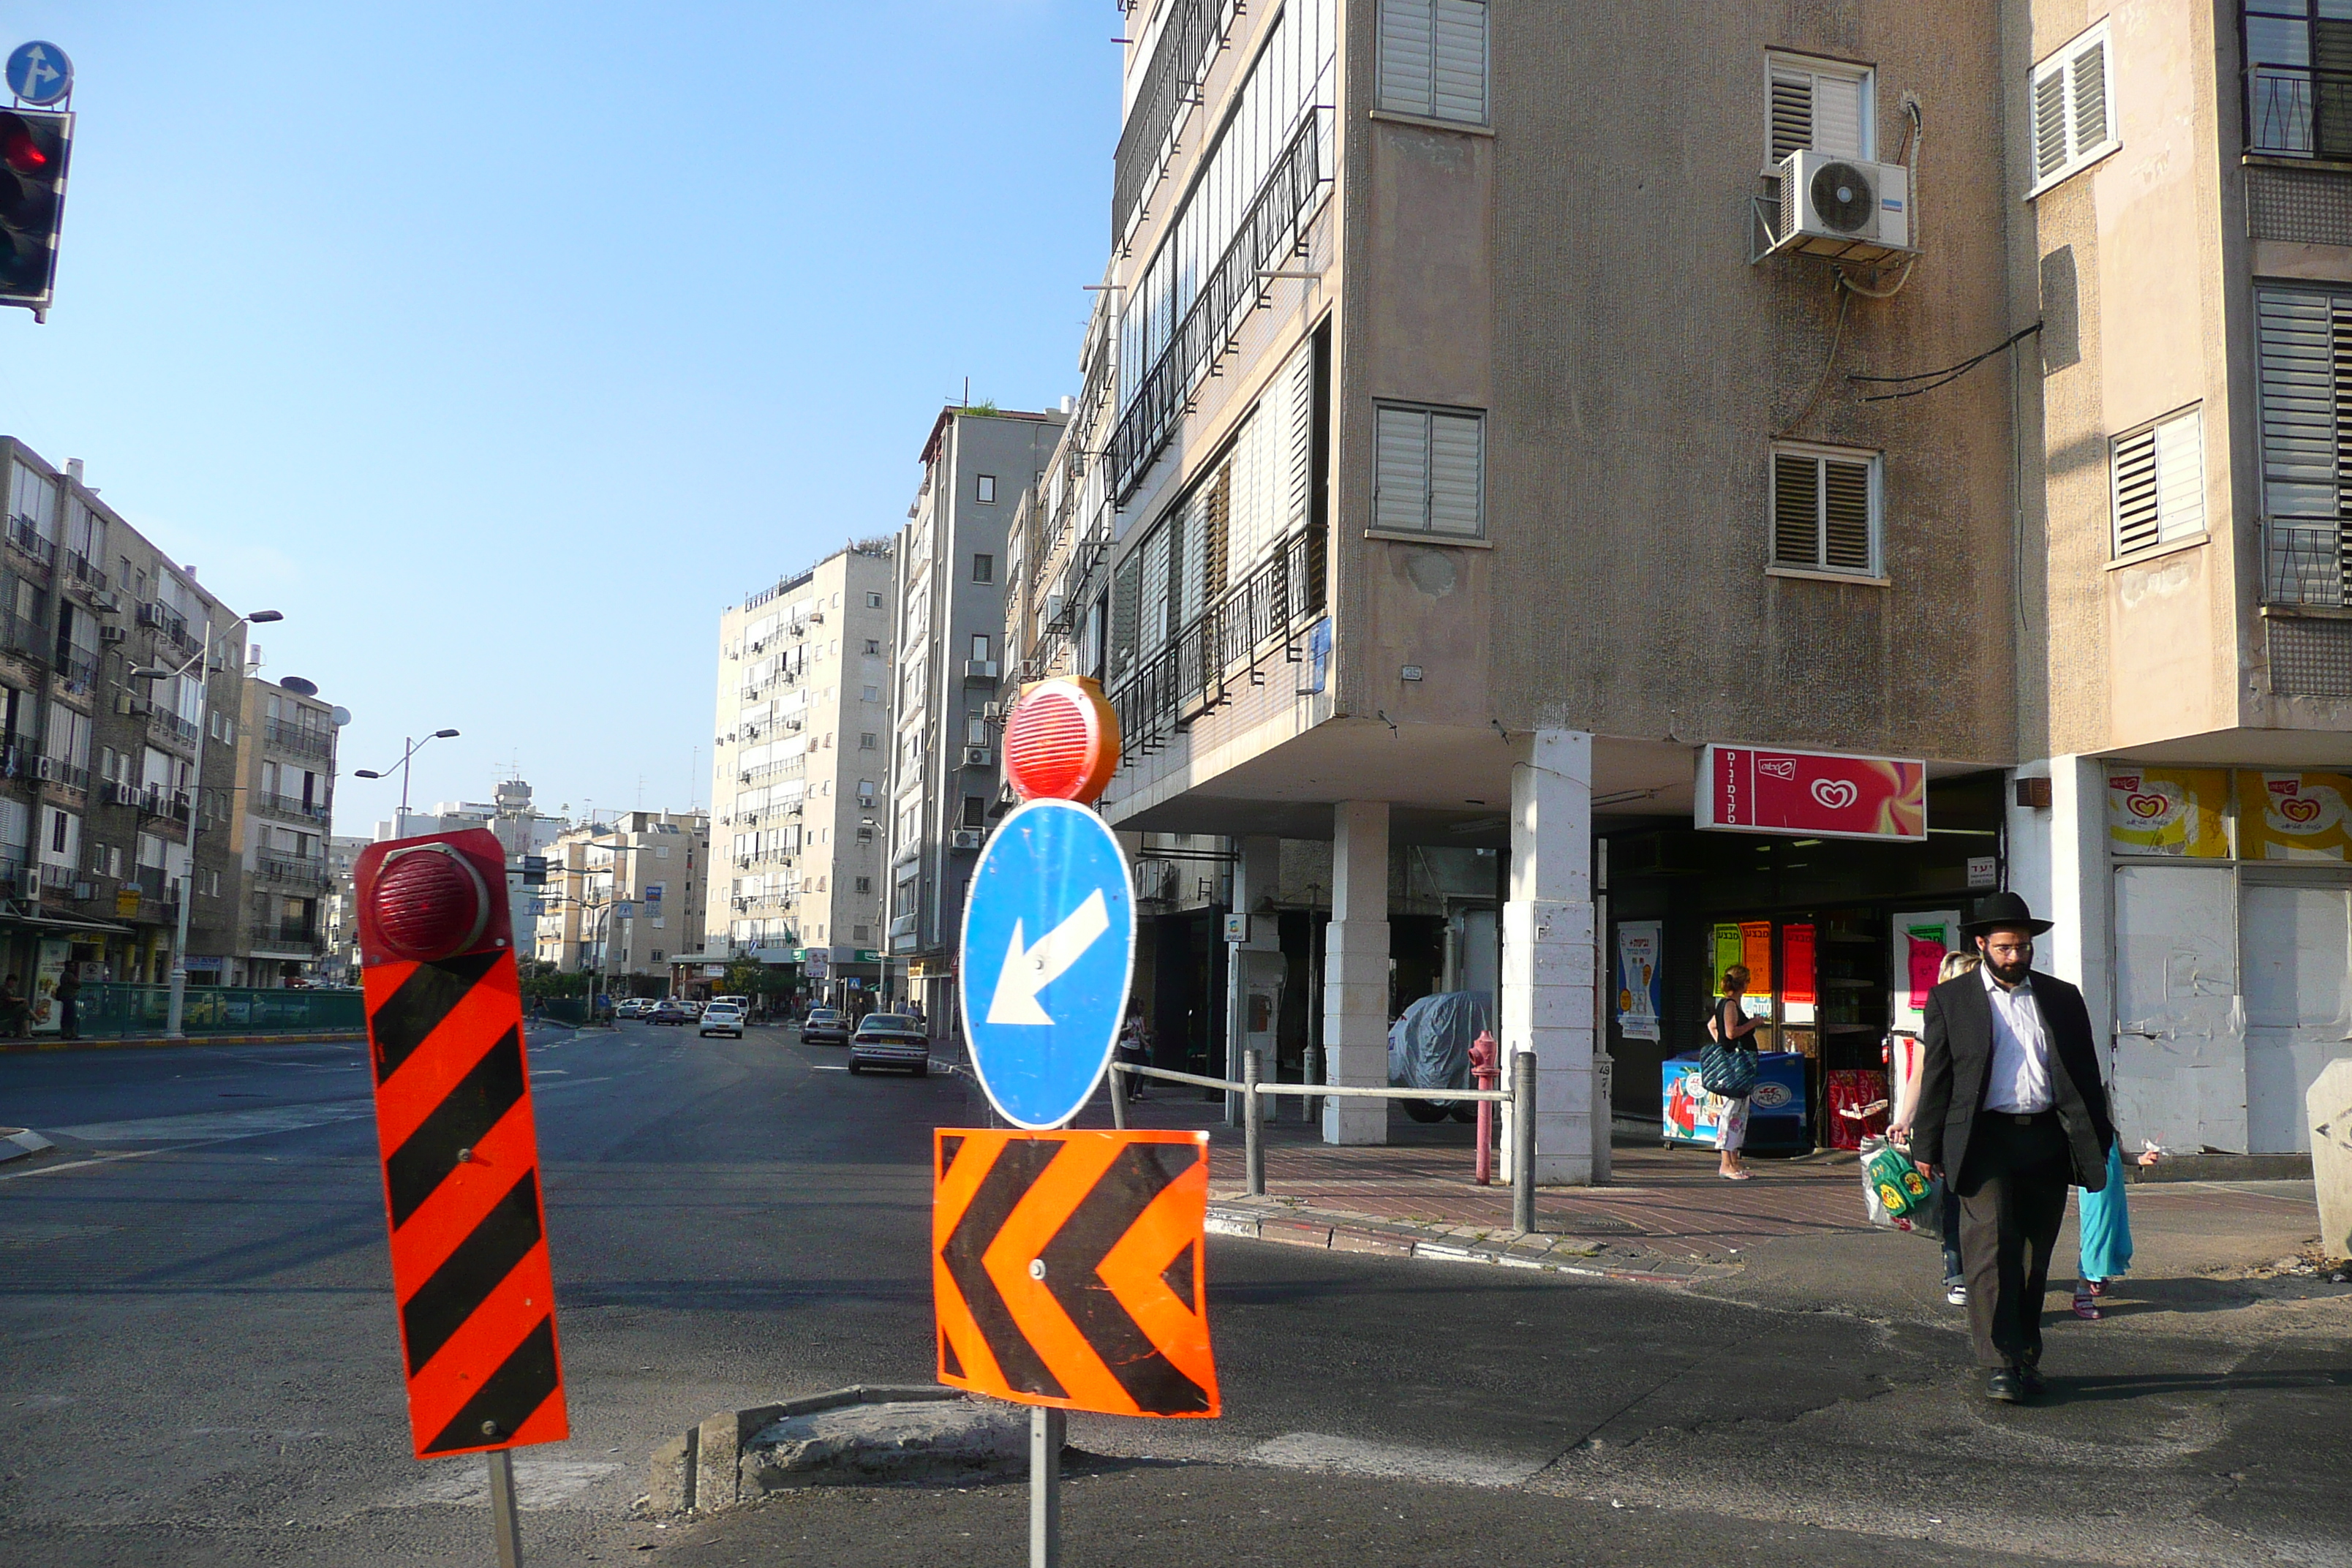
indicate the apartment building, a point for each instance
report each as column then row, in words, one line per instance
column 950, row 608
column 621, row 898
column 96, row 757
column 341, row 965
column 799, row 770
column 282, row 829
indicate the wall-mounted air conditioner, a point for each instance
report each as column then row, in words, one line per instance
column 1843, row 208
column 980, row 756
column 113, row 633
column 963, row 839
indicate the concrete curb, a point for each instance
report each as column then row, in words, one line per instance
column 18, row 1142
column 24, row 1047
column 1335, row 1232
column 700, row 1472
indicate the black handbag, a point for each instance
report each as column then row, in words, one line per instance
column 1727, row 1071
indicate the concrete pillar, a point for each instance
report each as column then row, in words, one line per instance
column 1258, row 865
column 1547, row 966
column 1356, row 971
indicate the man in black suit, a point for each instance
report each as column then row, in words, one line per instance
column 2013, row 1107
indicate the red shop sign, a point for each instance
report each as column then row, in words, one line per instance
column 1818, row 793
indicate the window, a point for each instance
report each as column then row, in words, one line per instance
column 865, row 792
column 980, row 647
column 1429, row 473
column 2159, row 483
column 873, row 645
column 864, row 885
column 974, row 807
column 873, row 600
column 988, row 486
column 869, row 694
column 1432, row 59
column 2291, row 107
column 1821, row 105
column 2074, row 121
column 866, row 742
column 975, row 730
column 859, row 933
column 984, row 568
column 2303, row 388
column 1825, row 510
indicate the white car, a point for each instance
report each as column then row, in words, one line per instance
column 722, row 1018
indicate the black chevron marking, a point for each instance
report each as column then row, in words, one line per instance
column 416, row 1009
column 467, row 1275
column 1000, row 1191
column 950, row 1362
column 510, row 1396
column 947, row 1150
column 1140, row 1175
column 1179, row 1276
column 425, row 1159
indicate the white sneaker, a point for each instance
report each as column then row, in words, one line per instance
column 1958, row 1295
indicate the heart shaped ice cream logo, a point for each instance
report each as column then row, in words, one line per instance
column 2299, row 810
column 1835, row 793
column 2150, row 806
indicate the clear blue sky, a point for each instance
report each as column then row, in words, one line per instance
column 501, row 345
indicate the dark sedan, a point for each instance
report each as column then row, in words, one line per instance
column 825, row 1026
column 671, row 1013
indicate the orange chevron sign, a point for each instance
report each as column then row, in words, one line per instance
column 1068, row 1268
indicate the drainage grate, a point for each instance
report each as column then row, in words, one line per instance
column 1593, row 1225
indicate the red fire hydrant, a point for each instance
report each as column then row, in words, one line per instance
column 1483, row 1073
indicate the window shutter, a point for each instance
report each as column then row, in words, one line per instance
column 1455, row 453
column 1214, row 536
column 2298, row 401
column 2138, row 513
column 2089, row 91
column 1845, row 515
column 1796, row 507
column 1302, row 435
column 1837, row 115
column 1458, row 89
column 1792, row 112
column 1400, row 476
column 1126, row 606
column 1408, row 55
column 2180, row 476
column 2050, row 126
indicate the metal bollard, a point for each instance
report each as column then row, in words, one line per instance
column 1523, row 1142
column 1117, row 1097
column 1483, row 1076
column 1048, row 1430
column 1254, row 1124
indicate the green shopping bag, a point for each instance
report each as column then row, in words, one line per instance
column 1899, row 1185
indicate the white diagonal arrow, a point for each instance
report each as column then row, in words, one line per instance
column 1029, row 970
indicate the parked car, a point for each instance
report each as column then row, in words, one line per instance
column 669, row 1013
column 890, row 1040
column 825, row 1025
column 722, row 1018
column 630, row 1007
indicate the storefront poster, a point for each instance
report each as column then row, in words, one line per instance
column 49, row 967
column 1638, row 942
column 2168, row 811
column 1920, row 942
column 1797, row 996
column 1724, row 943
column 2294, row 816
column 1756, row 952
column 1816, row 793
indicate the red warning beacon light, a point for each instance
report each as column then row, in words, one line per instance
column 422, row 900
column 1061, row 741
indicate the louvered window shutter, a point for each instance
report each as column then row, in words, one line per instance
column 1824, row 513
column 1845, row 516
column 2306, row 335
column 1215, row 540
column 1792, row 112
column 2088, row 87
column 1408, row 61
column 2072, row 118
column 1154, row 628
column 2050, row 127
column 1458, row 91
column 1302, row 435
column 1456, row 480
column 1837, row 115
column 1795, row 511
column 2136, row 510
column 1400, row 476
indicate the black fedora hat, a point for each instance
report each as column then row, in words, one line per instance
column 2004, row 912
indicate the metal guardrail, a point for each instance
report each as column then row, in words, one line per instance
column 1170, row 82
column 1519, row 1101
column 2302, row 111
column 2303, row 561
column 111, row 1010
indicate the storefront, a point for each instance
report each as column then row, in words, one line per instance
column 1841, row 936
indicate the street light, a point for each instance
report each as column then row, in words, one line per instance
column 409, row 750
column 176, row 1010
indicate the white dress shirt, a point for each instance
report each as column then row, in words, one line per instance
column 2019, row 1080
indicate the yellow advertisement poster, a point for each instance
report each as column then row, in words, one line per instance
column 2294, row 816
column 2168, row 811
column 1725, row 942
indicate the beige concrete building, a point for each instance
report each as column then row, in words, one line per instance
column 621, row 898
column 800, row 769
column 281, row 832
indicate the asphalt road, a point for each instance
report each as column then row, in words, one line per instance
column 202, row 1363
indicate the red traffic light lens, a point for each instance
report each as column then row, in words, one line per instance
column 429, row 903
column 24, row 151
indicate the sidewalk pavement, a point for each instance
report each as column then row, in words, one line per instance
column 130, row 1042
column 1795, row 1234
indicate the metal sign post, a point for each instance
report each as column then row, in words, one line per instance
column 505, row 1527
column 1048, row 1430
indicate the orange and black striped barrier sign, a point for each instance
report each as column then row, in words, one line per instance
column 1068, row 1268
column 453, row 1115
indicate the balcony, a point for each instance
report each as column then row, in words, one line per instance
column 1171, row 83
column 78, row 668
column 307, row 873
column 170, row 727
column 2299, row 112
column 291, row 806
column 170, row 805
column 24, row 535
column 295, row 737
column 1185, row 676
column 278, row 936
column 2304, row 564
column 22, row 637
column 1275, row 223
column 84, row 573
column 57, row 770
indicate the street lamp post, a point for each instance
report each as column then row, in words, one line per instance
column 175, row 1013
column 407, row 751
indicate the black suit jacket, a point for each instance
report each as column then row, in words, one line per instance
column 1957, row 1061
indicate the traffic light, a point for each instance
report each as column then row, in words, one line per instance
column 33, row 153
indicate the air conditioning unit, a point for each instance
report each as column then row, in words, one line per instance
column 980, row 756
column 126, row 794
column 1843, row 208
column 48, row 768
column 113, row 633
column 965, row 838
column 131, row 705
column 816, row 617
column 980, row 669
column 991, row 711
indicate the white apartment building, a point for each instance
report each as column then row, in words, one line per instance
column 799, row 769
column 621, row 897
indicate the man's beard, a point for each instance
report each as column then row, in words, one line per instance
column 2010, row 974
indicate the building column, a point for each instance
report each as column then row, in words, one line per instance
column 1355, row 973
column 1257, row 862
column 1547, row 956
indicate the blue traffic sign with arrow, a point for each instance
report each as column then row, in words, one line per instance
column 39, row 73
column 1048, row 951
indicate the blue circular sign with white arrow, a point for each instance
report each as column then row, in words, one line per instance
column 39, row 74
column 1048, row 951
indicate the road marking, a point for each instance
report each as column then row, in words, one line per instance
column 541, row 1484
column 216, row 1126
column 1354, row 1457
column 823, row 1066
column 1030, row 969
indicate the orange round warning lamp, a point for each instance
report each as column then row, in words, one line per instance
column 429, row 903
column 1061, row 741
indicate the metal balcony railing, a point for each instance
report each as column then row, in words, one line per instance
column 77, row 667
column 291, row 806
column 171, row 726
column 169, row 803
column 2303, row 562
column 86, row 573
column 1186, row 676
column 26, row 535
column 2300, row 112
column 22, row 636
column 295, row 737
column 278, row 936
column 1170, row 83
column 279, row 870
column 1275, row 223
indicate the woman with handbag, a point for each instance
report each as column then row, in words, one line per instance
column 1730, row 1028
